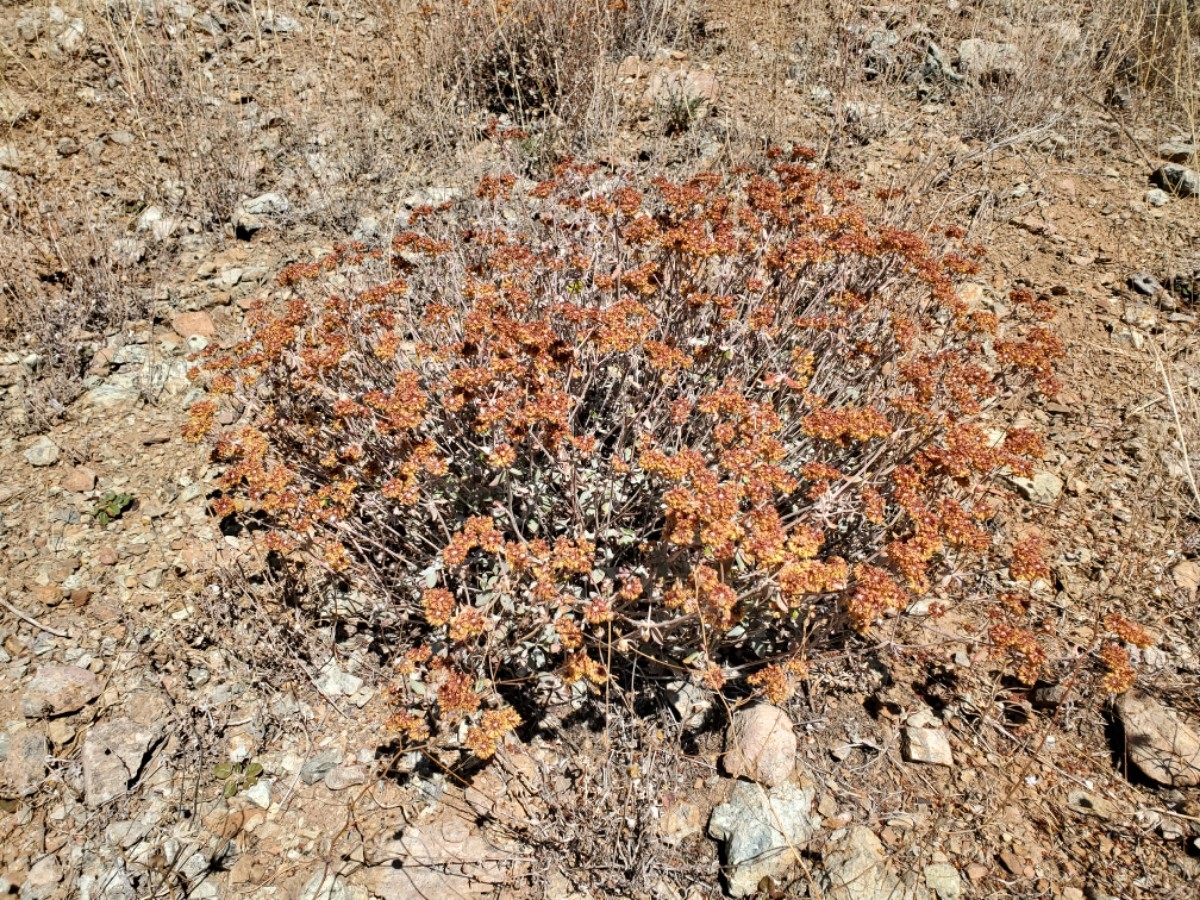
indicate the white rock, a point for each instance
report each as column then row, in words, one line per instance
column 927, row 745
column 1043, row 488
column 42, row 452
column 943, row 879
column 259, row 794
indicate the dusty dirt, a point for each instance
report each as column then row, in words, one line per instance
column 156, row 605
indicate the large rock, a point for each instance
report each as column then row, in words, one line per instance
column 763, row 832
column 760, row 745
column 114, row 754
column 1164, row 748
column 856, row 869
column 1177, row 179
column 58, row 690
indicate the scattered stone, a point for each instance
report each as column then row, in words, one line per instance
column 1177, row 179
column 680, row 821
column 187, row 324
column 42, row 452
column 113, row 755
column 1165, row 749
column 988, row 59
column 317, row 767
column 81, row 479
column 259, row 794
column 432, row 196
column 332, row 681
column 690, row 702
column 750, row 824
column 343, row 777
column 1140, row 316
column 1049, row 696
column 1157, row 197
column 1043, row 488
column 267, row 205
column 43, row 878
column 277, row 23
column 943, row 879
column 1186, row 576
column 1180, row 152
column 118, row 391
column 927, row 745
column 977, row 872
column 1013, row 863
column 60, row 732
column 857, row 870
column 1145, row 283
column 58, row 690
column 760, row 745
column 26, row 764
column 1090, row 805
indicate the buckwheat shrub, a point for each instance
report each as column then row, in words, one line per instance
column 568, row 428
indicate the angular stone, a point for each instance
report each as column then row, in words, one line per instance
column 190, row 323
column 43, row 878
column 857, row 870
column 113, row 755
column 943, row 879
column 58, row 690
column 762, row 831
column 1178, row 152
column 26, row 764
column 1176, row 179
column 760, row 745
column 344, row 777
column 927, row 745
column 679, row 822
column 81, row 479
column 267, row 205
column 317, row 767
column 42, row 452
column 1164, row 748
column 1043, row 488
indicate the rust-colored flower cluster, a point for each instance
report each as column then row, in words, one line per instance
column 568, row 424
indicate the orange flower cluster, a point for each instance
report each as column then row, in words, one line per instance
column 687, row 418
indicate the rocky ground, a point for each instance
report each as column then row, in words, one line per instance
column 168, row 729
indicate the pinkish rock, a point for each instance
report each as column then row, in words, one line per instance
column 58, row 690
column 80, row 479
column 760, row 745
column 190, row 323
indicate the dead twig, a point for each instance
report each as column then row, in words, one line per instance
column 32, row 621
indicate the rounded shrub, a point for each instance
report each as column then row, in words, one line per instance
column 572, row 429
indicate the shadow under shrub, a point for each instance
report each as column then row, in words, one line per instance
column 575, row 427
